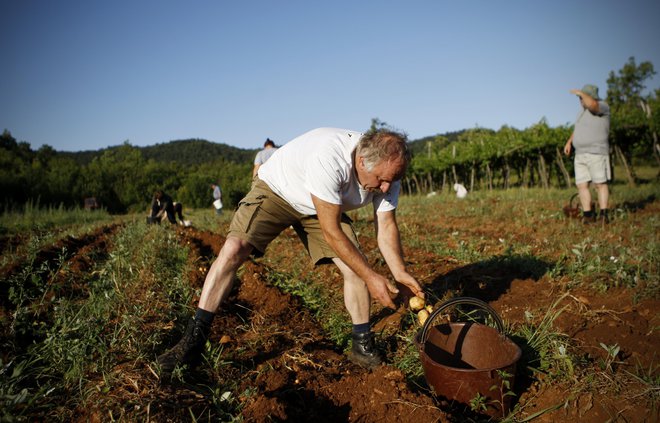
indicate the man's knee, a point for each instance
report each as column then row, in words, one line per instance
column 235, row 249
column 349, row 275
column 582, row 185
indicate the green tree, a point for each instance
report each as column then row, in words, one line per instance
column 631, row 132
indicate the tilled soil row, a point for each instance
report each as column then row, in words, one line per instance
column 66, row 261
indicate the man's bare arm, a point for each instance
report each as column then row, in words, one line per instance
column 389, row 244
column 329, row 216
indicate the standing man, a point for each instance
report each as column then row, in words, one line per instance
column 310, row 184
column 263, row 155
column 592, row 152
column 217, row 198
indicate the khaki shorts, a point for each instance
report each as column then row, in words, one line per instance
column 592, row 167
column 262, row 215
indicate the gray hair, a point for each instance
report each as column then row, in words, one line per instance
column 380, row 145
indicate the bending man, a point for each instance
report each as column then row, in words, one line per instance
column 310, row 183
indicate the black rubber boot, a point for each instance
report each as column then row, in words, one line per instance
column 364, row 351
column 188, row 351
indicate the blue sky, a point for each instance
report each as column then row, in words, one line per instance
column 84, row 75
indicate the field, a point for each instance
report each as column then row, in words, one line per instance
column 87, row 303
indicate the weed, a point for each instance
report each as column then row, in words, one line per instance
column 612, row 354
column 479, row 403
column 504, row 389
column 543, row 348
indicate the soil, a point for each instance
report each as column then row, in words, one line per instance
column 296, row 373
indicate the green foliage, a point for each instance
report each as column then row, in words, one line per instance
column 183, row 152
column 122, row 178
column 196, row 152
column 489, row 155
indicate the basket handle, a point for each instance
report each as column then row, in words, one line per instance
column 570, row 202
column 456, row 301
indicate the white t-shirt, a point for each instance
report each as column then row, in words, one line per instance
column 319, row 162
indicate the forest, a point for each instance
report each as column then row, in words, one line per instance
column 123, row 178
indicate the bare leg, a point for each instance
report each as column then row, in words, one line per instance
column 356, row 294
column 220, row 278
column 585, row 196
column 603, row 195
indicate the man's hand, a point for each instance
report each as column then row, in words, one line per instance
column 382, row 290
column 389, row 243
column 411, row 284
column 568, row 146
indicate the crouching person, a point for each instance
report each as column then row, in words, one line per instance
column 163, row 207
column 310, row 183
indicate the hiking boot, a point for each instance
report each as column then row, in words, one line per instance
column 588, row 219
column 364, row 350
column 188, row 351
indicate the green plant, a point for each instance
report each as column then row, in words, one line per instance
column 612, row 354
column 479, row 403
column 504, row 389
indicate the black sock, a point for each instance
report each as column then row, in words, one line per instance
column 604, row 212
column 361, row 328
column 588, row 213
column 204, row 316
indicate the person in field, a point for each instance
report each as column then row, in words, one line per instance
column 217, row 198
column 592, row 152
column 310, row 183
column 162, row 206
column 263, row 155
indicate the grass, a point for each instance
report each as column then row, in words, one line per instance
column 33, row 217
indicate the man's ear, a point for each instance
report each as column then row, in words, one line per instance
column 360, row 162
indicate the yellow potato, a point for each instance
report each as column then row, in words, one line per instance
column 429, row 308
column 422, row 316
column 416, row 303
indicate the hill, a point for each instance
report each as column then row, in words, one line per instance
column 186, row 152
column 419, row 146
column 197, row 151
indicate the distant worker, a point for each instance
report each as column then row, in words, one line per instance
column 162, row 206
column 217, row 198
column 461, row 191
column 592, row 152
column 263, row 155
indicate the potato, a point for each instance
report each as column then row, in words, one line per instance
column 416, row 303
column 422, row 316
column 429, row 308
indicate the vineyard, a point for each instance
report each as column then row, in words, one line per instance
column 484, row 159
column 87, row 303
